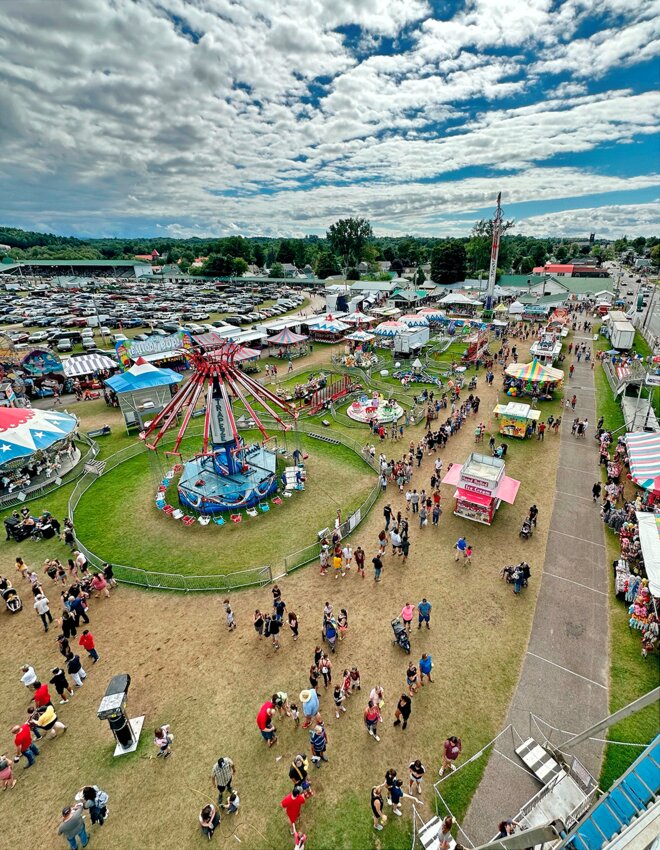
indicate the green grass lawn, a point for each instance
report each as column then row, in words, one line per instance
column 132, row 531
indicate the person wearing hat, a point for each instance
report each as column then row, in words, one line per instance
column 298, row 774
column 72, row 826
column 23, row 742
column 310, row 704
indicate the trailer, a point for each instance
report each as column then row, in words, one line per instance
column 622, row 335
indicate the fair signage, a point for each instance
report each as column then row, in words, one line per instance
column 472, row 489
column 153, row 345
column 480, row 482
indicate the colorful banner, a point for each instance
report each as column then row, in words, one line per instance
column 131, row 349
column 40, row 362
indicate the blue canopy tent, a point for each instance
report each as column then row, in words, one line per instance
column 142, row 392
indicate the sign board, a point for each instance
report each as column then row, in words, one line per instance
column 221, row 431
column 135, row 348
column 479, row 482
column 652, row 380
column 354, row 519
column 40, row 362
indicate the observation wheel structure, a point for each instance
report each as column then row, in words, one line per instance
column 226, row 475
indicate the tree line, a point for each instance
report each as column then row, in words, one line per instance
column 349, row 249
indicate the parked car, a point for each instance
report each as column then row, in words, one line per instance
column 64, row 345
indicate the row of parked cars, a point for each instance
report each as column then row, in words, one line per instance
column 72, row 317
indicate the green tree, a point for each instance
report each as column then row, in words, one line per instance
column 347, row 238
column 276, row 270
column 218, row 265
column 655, row 254
column 326, row 265
column 352, row 274
column 620, row 245
column 448, row 262
column 239, row 266
column 259, row 255
column 561, row 253
column 639, row 244
column 286, row 253
column 526, row 265
column 420, row 277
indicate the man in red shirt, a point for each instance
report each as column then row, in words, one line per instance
column 265, row 722
column 24, row 746
column 87, row 642
column 292, row 804
column 41, row 696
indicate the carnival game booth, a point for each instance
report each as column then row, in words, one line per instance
column 516, row 419
column 289, row 345
column 433, row 315
column 328, row 330
column 227, row 475
column 533, row 379
column 359, row 318
column 35, row 446
column 547, row 348
column 143, row 391
column 415, row 320
column 375, row 409
column 459, row 305
column 481, row 485
column 89, row 369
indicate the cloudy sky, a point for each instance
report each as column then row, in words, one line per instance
column 209, row 117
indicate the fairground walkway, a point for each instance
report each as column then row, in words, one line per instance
column 564, row 677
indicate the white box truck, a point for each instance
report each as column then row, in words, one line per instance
column 622, row 335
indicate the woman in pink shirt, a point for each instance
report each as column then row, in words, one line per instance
column 100, row 585
column 407, row 615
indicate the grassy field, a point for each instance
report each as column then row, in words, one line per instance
column 133, row 531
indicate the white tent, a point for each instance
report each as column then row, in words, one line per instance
column 458, row 298
column 516, row 309
column 650, row 543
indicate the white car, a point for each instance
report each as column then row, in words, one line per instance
column 39, row 336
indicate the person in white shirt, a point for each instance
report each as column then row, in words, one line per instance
column 42, row 608
column 347, row 553
column 29, row 677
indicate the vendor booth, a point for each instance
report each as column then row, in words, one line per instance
column 88, row 364
column 516, row 419
column 386, row 331
column 328, row 330
column 649, row 539
column 481, row 485
column 547, row 348
column 533, row 379
column 644, row 459
column 143, row 391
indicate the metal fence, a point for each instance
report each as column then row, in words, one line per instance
column 255, row 576
column 48, row 486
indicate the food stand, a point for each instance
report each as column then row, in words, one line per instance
column 547, row 348
column 515, row 418
column 481, row 485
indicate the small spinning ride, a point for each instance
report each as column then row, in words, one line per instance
column 227, row 474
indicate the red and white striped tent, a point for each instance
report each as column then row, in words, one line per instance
column 644, row 457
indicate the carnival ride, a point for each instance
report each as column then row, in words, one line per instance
column 227, row 475
column 375, row 408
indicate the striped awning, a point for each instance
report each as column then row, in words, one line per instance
column 644, row 457
column 87, row 364
column 534, row 372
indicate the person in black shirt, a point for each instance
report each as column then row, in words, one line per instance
column 403, row 709
column 378, row 566
column 61, row 684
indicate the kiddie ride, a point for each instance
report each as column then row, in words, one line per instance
column 375, row 409
column 227, row 475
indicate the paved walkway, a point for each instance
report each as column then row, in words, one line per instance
column 564, row 677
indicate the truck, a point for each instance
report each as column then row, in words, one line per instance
column 622, row 335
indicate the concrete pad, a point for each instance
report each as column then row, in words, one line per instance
column 576, row 453
column 582, row 561
column 568, row 622
column 574, row 518
column 577, row 484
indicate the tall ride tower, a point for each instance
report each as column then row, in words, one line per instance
column 494, row 253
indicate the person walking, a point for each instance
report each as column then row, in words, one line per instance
column 424, row 613
column 533, row 515
column 378, row 567
column 41, row 695
column 460, row 547
column 87, row 642
column 387, row 513
column 379, row 816
column 96, row 801
column 325, row 669
column 222, row 776
column 298, row 774
column 163, row 739
column 293, row 624
column 318, row 741
column 402, row 711
column 359, row 560
column 42, row 607
column 596, row 490
column 310, row 703
column 451, row 750
column 407, row 613
column 61, row 685
column 7, row 777
column 371, row 718
column 72, row 826
column 75, row 669
column 292, row 804
column 411, row 679
column 339, row 696
column 417, row 771
column 425, row 667
column 23, row 743
column 28, row 677
column 47, row 721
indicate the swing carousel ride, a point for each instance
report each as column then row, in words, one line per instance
column 227, row 474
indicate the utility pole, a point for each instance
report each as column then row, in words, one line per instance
column 494, row 253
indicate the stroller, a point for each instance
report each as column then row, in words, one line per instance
column 12, row 600
column 400, row 635
column 526, row 529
